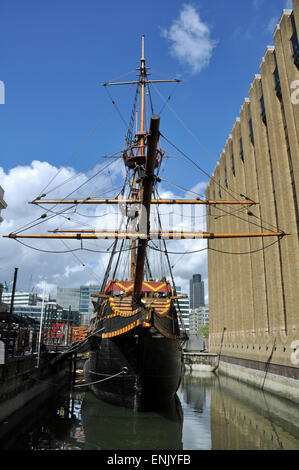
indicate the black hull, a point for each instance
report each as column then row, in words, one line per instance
column 154, row 370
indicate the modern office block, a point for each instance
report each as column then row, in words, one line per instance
column 184, row 308
column 198, row 317
column 196, row 291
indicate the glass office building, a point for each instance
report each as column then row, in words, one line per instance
column 68, row 297
column 78, row 299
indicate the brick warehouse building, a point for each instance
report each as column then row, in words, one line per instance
column 253, row 297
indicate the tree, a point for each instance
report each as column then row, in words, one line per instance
column 204, row 330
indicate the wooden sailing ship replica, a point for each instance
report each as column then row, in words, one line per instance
column 137, row 334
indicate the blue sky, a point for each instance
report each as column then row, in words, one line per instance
column 54, row 55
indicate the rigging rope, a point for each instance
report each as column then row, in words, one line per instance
column 82, row 172
column 182, row 123
column 43, row 216
column 82, row 143
column 170, row 269
column 83, row 264
column 230, row 192
column 67, row 251
column 116, row 107
column 169, row 97
column 194, row 163
column 274, row 228
column 217, row 250
column 128, row 138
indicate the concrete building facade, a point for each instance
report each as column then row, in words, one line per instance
column 253, row 282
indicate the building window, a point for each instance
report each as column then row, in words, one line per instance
column 241, row 150
column 219, row 186
column 263, row 111
column 251, row 131
column 295, row 43
column 226, row 180
column 277, row 80
column 233, row 164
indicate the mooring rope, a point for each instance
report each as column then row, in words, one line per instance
column 122, row 372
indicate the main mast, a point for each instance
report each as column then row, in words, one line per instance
column 147, row 189
column 142, row 113
column 146, row 185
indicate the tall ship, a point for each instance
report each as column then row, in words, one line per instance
column 136, row 335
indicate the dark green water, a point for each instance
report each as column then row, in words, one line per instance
column 210, row 413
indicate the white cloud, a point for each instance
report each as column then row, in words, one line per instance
column 190, row 39
column 22, row 184
column 46, row 288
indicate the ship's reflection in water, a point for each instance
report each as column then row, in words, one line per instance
column 111, row 427
column 210, row 412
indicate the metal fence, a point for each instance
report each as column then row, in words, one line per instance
column 19, row 341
